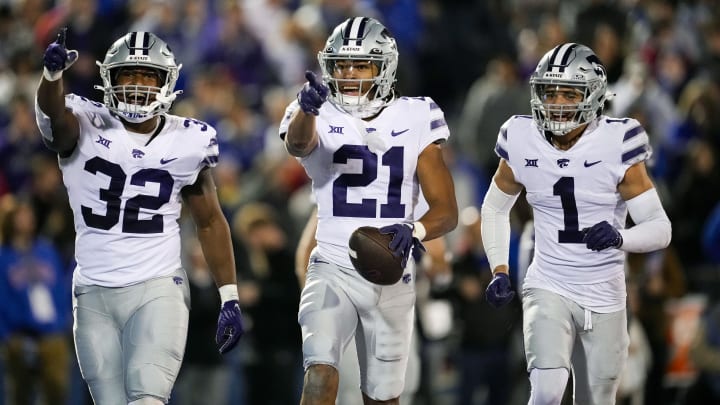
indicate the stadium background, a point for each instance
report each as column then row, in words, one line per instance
column 244, row 60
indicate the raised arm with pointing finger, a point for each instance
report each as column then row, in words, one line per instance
column 128, row 166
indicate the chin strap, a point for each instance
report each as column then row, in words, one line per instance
column 162, row 101
column 369, row 109
column 166, row 100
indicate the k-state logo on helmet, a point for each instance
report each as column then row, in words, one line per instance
column 350, row 49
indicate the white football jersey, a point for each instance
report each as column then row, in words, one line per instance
column 126, row 198
column 364, row 172
column 571, row 190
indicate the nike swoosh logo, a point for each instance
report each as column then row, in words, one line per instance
column 591, row 163
column 314, row 260
column 163, row 160
column 396, row 133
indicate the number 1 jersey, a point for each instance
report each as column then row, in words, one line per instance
column 571, row 190
column 125, row 196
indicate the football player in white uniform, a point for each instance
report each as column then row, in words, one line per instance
column 583, row 173
column 348, row 370
column 126, row 164
column 368, row 153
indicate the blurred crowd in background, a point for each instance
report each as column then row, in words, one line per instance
column 243, row 62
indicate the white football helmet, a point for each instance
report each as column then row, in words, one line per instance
column 361, row 39
column 141, row 49
column 568, row 65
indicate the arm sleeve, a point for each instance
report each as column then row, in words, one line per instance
column 652, row 230
column 495, row 225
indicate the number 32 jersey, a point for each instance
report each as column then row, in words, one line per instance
column 571, row 190
column 364, row 172
column 125, row 196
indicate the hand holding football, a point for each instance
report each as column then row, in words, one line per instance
column 371, row 256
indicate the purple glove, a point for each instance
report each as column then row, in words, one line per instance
column 313, row 94
column 499, row 292
column 602, row 236
column 230, row 326
column 403, row 242
column 57, row 58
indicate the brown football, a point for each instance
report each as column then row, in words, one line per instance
column 371, row 256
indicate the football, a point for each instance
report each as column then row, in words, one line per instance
column 371, row 256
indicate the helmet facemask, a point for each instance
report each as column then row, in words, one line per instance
column 139, row 50
column 361, row 97
column 561, row 119
column 355, row 42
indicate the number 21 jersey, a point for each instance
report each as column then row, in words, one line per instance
column 364, row 172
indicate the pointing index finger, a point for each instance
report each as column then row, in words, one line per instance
column 311, row 78
column 61, row 36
